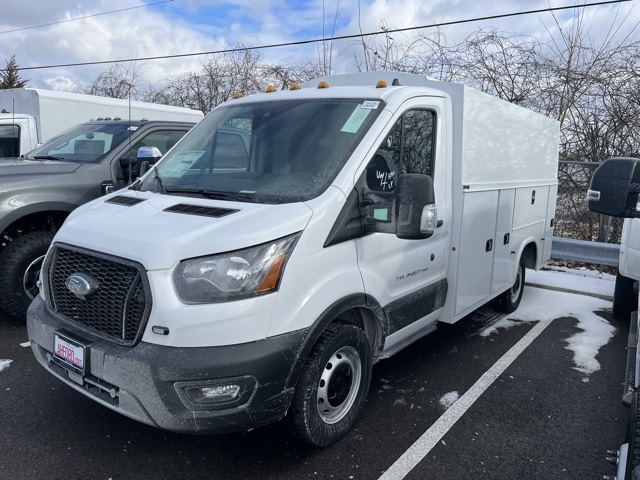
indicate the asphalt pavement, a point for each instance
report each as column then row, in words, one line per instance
column 538, row 418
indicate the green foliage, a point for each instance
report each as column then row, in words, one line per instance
column 10, row 76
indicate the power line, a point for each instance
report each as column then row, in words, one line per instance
column 342, row 37
column 86, row 16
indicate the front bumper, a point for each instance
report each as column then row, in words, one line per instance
column 149, row 383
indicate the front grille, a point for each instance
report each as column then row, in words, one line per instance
column 118, row 310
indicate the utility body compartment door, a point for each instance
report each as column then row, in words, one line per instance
column 477, row 247
column 504, row 254
column 548, row 228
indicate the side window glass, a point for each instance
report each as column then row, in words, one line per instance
column 9, row 141
column 231, row 150
column 407, row 149
column 163, row 140
column 383, row 168
column 417, row 150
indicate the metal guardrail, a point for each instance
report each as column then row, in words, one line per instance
column 584, row 251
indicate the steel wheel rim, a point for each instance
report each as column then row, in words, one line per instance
column 30, row 278
column 339, row 384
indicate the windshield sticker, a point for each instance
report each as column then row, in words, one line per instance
column 371, row 104
column 357, row 118
column 178, row 165
column 132, row 128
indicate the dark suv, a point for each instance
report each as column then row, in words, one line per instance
column 39, row 190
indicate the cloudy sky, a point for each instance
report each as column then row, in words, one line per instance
column 45, row 32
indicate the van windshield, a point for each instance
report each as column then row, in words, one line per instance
column 265, row 152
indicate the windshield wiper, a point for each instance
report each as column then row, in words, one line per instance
column 239, row 197
column 48, row 157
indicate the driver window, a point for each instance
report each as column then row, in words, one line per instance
column 409, row 148
column 162, row 139
column 127, row 166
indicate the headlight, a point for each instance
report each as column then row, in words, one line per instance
column 234, row 275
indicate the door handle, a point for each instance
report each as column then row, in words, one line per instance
column 488, row 246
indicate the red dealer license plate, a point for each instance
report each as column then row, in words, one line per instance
column 69, row 353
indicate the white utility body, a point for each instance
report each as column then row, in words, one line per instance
column 29, row 116
column 290, row 241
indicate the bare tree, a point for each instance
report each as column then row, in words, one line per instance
column 325, row 48
column 117, row 82
column 282, row 76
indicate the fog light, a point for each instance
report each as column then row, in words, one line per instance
column 221, row 393
column 216, row 394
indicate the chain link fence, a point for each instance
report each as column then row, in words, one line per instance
column 573, row 219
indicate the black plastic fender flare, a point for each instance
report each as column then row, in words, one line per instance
column 360, row 301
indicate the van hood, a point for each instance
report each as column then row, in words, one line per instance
column 24, row 166
column 160, row 230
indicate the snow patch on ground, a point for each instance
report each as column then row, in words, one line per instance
column 543, row 304
column 581, row 279
column 448, row 399
column 505, row 322
column 4, row 364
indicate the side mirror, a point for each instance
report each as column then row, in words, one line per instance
column 149, row 154
column 614, row 188
column 415, row 202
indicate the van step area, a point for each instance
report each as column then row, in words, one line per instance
column 485, row 317
column 630, row 371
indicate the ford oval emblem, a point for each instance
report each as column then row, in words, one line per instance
column 82, row 285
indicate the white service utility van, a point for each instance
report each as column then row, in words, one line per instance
column 29, row 116
column 614, row 191
column 287, row 243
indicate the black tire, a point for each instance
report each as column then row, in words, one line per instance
column 333, row 385
column 625, row 300
column 509, row 301
column 633, row 434
column 20, row 264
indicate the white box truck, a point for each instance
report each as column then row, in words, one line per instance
column 29, row 116
column 290, row 241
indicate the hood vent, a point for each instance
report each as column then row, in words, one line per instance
column 124, row 200
column 200, row 210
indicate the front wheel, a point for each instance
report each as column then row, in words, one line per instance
column 333, row 385
column 20, row 265
column 509, row 301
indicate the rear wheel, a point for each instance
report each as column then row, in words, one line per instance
column 509, row 301
column 625, row 300
column 333, row 385
column 20, row 265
